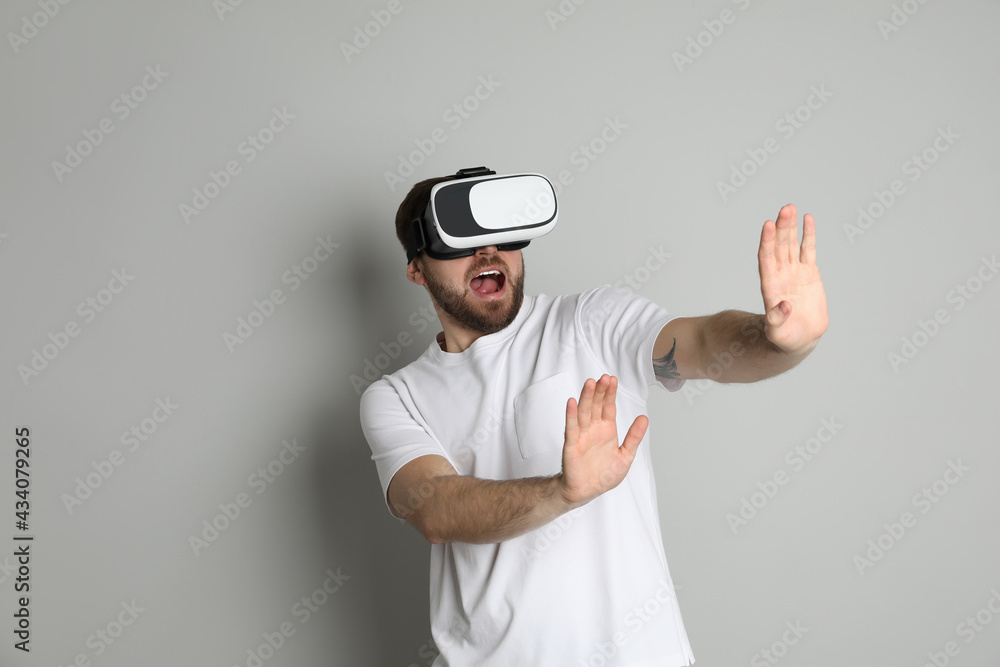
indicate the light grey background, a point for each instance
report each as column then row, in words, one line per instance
column 556, row 85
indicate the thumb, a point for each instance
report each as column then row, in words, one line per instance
column 635, row 434
column 777, row 315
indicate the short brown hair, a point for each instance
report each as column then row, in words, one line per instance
column 413, row 206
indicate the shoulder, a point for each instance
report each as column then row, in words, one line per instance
column 394, row 382
column 609, row 301
column 376, row 396
column 389, row 392
column 595, row 298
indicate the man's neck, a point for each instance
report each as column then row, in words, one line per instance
column 457, row 341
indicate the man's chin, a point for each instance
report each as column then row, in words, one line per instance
column 491, row 312
column 494, row 314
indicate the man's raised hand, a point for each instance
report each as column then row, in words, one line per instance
column 592, row 460
column 795, row 310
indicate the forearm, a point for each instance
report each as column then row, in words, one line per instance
column 484, row 511
column 735, row 349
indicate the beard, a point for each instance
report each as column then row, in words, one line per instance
column 486, row 317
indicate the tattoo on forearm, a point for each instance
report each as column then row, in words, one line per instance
column 665, row 366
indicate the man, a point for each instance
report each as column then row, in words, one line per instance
column 546, row 545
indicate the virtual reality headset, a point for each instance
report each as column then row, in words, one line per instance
column 478, row 208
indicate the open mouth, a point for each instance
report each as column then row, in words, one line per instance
column 489, row 284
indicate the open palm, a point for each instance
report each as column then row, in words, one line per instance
column 794, row 299
column 593, row 460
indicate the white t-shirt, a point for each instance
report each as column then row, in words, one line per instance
column 591, row 587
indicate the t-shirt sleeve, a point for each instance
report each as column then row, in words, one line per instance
column 394, row 435
column 620, row 328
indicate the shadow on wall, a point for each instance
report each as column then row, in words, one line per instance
column 389, row 559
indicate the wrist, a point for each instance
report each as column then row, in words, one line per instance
column 563, row 498
column 799, row 352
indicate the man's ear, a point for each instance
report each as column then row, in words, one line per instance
column 414, row 272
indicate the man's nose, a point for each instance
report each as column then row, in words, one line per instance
column 486, row 250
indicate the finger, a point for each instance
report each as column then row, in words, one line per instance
column 600, row 389
column 793, row 234
column 786, row 227
column 780, row 238
column 765, row 253
column 610, row 412
column 572, row 430
column 807, row 254
column 635, row 434
column 586, row 398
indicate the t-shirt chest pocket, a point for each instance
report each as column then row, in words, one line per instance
column 540, row 414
